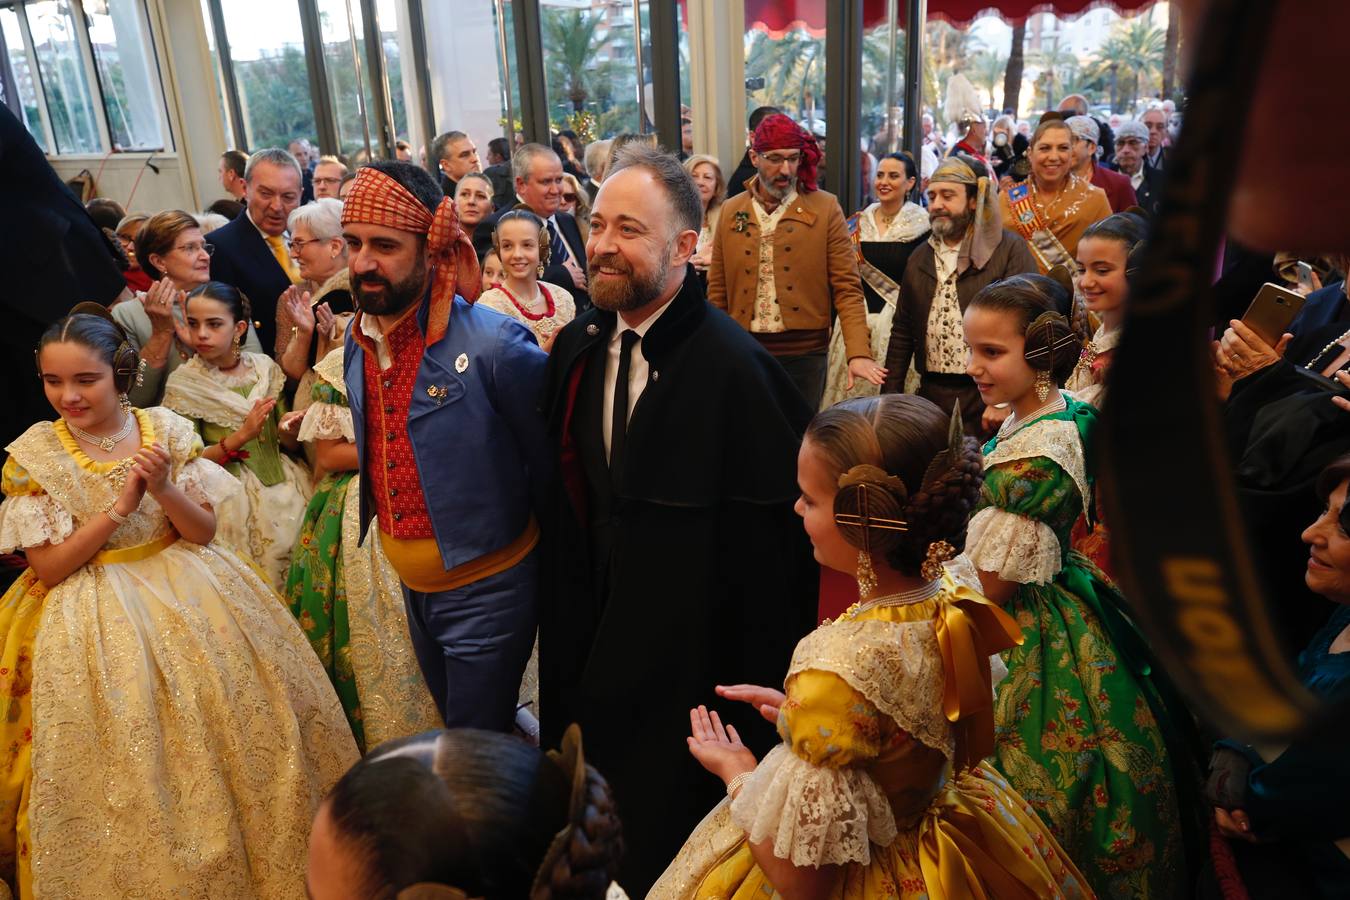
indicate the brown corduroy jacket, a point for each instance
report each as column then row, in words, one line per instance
column 815, row 270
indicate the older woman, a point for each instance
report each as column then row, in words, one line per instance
column 473, row 200
column 1052, row 208
column 127, row 229
column 1293, row 801
column 712, row 190
column 322, row 302
column 171, row 250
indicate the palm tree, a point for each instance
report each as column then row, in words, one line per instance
column 793, row 69
column 1012, row 78
column 985, row 69
column 574, row 39
column 1137, row 47
column 1170, row 44
column 1057, row 65
column 946, row 51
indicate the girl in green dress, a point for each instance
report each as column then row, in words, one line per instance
column 1081, row 729
column 346, row 597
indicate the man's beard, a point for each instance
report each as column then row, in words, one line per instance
column 633, row 292
column 777, row 192
column 395, row 297
column 949, row 225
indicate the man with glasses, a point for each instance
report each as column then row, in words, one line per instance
column 783, row 263
column 253, row 252
column 328, row 175
column 1131, row 147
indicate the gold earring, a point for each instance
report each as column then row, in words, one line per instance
column 867, row 576
column 238, row 347
column 540, row 270
column 1042, row 386
column 124, row 402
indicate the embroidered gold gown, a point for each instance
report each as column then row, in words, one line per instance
column 864, row 779
column 167, row 731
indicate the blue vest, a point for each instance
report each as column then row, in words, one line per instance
column 477, row 435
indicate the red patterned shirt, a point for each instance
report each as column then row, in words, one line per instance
column 390, row 466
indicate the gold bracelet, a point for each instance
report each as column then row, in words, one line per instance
column 112, row 513
column 735, row 784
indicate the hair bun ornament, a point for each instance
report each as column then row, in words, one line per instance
column 938, row 553
column 1050, row 338
column 870, row 508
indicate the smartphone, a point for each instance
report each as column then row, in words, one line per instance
column 1271, row 312
column 1305, row 274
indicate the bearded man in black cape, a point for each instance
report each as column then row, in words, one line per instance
column 674, row 561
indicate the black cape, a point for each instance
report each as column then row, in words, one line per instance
column 710, row 580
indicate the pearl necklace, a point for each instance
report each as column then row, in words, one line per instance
column 106, row 444
column 904, row 598
column 1325, row 350
column 1012, row 423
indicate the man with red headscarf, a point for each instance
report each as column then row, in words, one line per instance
column 452, row 450
column 783, row 263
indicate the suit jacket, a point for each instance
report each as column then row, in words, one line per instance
column 555, row 272
column 909, row 330
column 744, row 172
column 815, row 269
column 1119, row 192
column 54, row 256
column 480, row 449
column 243, row 259
column 503, row 185
column 1149, row 192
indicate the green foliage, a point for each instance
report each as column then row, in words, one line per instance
column 578, row 79
column 793, row 69
column 274, row 91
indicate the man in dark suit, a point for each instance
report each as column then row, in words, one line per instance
column 454, row 156
column 538, row 173
column 499, row 171
column 253, row 252
column 53, row 255
column 1131, row 147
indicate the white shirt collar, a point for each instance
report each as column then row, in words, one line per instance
column 285, row 235
column 643, row 328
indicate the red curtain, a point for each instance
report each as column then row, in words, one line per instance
column 780, row 16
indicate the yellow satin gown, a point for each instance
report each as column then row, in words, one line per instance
column 864, row 780
column 165, row 729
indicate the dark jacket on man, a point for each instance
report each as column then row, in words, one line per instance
column 503, row 185
column 683, row 570
column 744, row 172
column 243, row 258
column 1149, row 192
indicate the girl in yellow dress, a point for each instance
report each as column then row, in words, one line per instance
column 234, row 398
column 879, row 788
column 167, row 731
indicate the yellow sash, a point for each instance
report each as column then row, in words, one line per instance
column 136, row 553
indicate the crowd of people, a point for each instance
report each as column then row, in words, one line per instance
column 373, row 479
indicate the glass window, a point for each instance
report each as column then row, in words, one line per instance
column 344, row 56
column 128, row 73
column 70, row 102
column 19, row 89
column 590, row 67
column 219, row 73
column 267, row 48
column 786, row 68
column 463, row 45
column 388, row 13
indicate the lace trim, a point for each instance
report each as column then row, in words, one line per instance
column 1055, row 439
column 327, row 422
column 329, row 369
column 897, row 666
column 33, row 520
column 206, row 483
column 816, row 816
column 1013, row 547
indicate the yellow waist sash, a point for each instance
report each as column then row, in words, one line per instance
column 419, row 565
column 137, row 552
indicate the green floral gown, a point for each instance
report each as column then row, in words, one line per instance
column 1080, row 724
column 346, row 596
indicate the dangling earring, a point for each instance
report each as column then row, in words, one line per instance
column 238, row 347
column 540, row 270
column 867, row 577
column 124, row 402
column 1042, row 386
column 140, row 373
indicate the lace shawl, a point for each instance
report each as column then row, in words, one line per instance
column 200, row 391
column 1055, row 439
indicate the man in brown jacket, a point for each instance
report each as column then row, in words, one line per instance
column 968, row 249
column 783, row 264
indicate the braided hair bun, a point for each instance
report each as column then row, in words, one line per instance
column 589, row 859
column 898, row 460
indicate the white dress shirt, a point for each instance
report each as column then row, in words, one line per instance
column 638, row 370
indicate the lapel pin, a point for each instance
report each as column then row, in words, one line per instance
column 592, row 329
column 656, row 376
column 462, row 363
column 438, row 393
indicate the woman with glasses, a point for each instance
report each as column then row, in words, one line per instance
column 171, row 250
column 126, row 231
column 577, row 202
column 312, row 316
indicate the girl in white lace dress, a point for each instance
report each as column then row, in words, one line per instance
column 522, row 244
column 234, row 399
column 167, row 730
column 878, row 789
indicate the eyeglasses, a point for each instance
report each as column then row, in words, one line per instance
column 778, row 159
column 569, row 198
column 298, row 245
column 195, row 248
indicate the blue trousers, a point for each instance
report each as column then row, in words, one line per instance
column 473, row 644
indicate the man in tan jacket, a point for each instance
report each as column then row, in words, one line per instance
column 783, row 264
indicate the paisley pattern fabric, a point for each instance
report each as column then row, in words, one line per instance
column 1078, row 718
column 168, row 732
column 347, row 598
column 851, row 786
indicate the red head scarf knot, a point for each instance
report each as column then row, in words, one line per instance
column 778, row 132
column 377, row 199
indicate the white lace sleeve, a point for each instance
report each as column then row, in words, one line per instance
column 32, row 520
column 1015, row 548
column 327, row 422
column 207, row 483
column 816, row 816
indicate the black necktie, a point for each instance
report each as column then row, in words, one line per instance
column 557, row 249
column 618, row 433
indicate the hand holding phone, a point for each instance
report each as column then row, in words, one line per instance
column 1271, row 312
